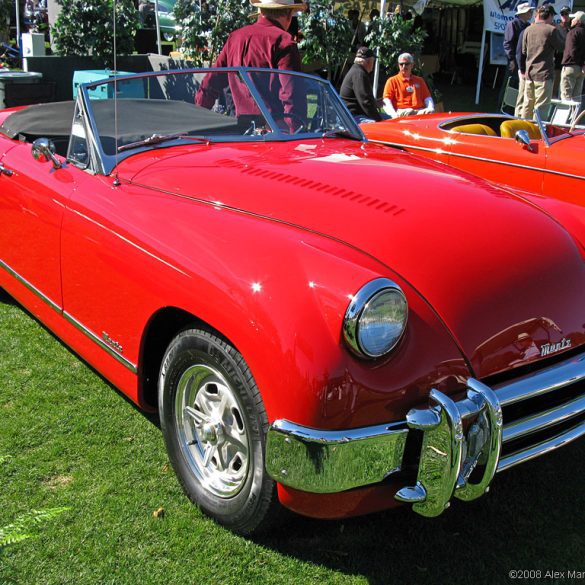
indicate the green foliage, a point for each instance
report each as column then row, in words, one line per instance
column 85, row 27
column 327, row 35
column 6, row 7
column 205, row 32
column 393, row 36
column 22, row 528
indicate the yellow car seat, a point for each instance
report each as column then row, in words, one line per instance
column 509, row 128
column 474, row 129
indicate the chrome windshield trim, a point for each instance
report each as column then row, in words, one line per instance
column 105, row 163
column 31, row 287
column 57, row 308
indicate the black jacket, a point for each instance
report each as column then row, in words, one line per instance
column 357, row 93
column 574, row 53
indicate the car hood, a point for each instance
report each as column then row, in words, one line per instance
column 504, row 277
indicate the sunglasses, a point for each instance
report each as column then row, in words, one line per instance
column 564, row 14
column 404, row 64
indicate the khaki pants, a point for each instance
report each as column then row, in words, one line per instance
column 520, row 100
column 572, row 78
column 537, row 95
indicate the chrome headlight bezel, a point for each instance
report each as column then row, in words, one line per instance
column 359, row 306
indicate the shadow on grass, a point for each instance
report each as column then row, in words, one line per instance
column 533, row 518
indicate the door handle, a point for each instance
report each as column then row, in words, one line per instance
column 5, row 171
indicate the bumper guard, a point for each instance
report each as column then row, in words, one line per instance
column 458, row 439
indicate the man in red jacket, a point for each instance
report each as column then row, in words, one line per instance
column 266, row 43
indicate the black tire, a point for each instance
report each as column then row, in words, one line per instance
column 214, row 424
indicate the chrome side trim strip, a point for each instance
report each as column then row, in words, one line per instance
column 319, row 461
column 543, row 381
column 541, row 448
column 57, row 308
column 127, row 363
column 409, row 146
column 478, row 158
column 31, row 287
column 544, row 420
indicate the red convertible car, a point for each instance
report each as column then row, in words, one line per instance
column 536, row 157
column 322, row 323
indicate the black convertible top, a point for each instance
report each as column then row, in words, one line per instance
column 137, row 119
column 52, row 120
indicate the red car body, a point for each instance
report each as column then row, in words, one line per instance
column 550, row 164
column 265, row 243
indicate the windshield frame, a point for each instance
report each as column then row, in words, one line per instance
column 104, row 163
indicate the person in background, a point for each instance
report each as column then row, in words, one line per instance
column 374, row 13
column 524, row 12
column 265, row 43
column 573, row 72
column 564, row 26
column 539, row 44
column 356, row 89
column 406, row 94
column 358, row 28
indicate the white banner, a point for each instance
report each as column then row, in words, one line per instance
column 497, row 14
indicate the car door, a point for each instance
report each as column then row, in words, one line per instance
column 502, row 160
column 33, row 196
column 564, row 178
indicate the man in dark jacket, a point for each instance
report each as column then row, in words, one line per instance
column 511, row 35
column 573, row 62
column 539, row 43
column 356, row 89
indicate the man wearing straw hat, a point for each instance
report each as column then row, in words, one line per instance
column 265, row 43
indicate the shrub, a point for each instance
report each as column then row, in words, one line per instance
column 85, row 27
column 203, row 33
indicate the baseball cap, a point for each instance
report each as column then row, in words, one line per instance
column 579, row 15
column 565, row 9
column 365, row 53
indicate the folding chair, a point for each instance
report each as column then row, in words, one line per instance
column 509, row 98
column 564, row 112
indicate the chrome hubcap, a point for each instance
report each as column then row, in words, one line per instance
column 212, row 431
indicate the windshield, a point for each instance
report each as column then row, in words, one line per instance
column 163, row 109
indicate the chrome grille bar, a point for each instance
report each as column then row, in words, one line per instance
column 541, row 448
column 543, row 420
column 543, row 381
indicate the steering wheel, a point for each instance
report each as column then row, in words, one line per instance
column 297, row 121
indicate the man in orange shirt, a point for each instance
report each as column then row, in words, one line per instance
column 405, row 93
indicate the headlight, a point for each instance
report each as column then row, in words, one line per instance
column 375, row 319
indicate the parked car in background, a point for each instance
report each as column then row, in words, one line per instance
column 322, row 323
column 535, row 157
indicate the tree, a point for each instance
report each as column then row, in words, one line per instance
column 327, row 37
column 393, row 36
column 204, row 30
column 85, row 27
column 5, row 11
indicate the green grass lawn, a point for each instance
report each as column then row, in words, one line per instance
column 68, row 439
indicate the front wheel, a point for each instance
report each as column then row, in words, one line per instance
column 214, row 424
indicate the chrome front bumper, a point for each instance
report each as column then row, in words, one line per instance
column 463, row 443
